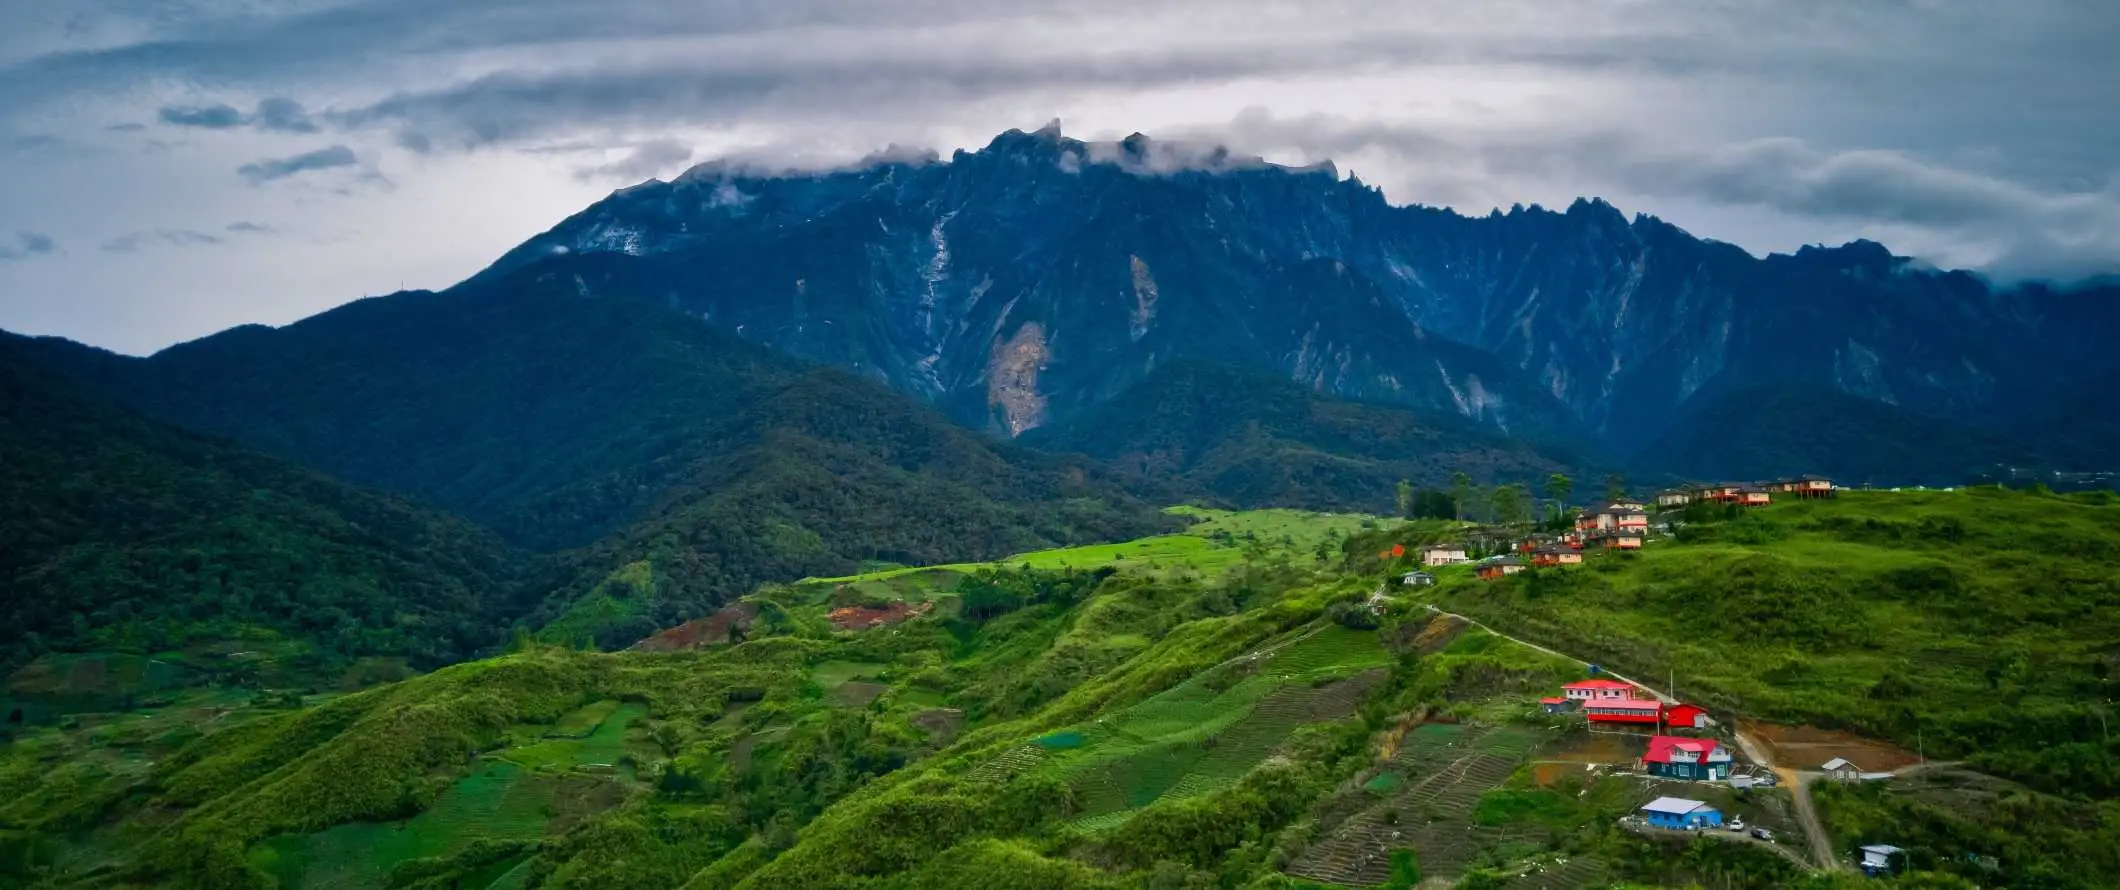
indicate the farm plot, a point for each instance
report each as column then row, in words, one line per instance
column 522, row 793
column 1444, row 769
column 1205, row 734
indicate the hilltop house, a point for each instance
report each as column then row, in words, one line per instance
column 1877, row 859
column 1685, row 716
column 1680, row 813
column 1754, row 496
column 1673, row 757
column 1556, row 556
column 1507, row 565
column 1673, row 499
column 1597, row 689
column 1621, row 540
column 1812, row 487
column 1615, row 516
column 1417, row 579
column 1724, row 493
column 1840, row 770
column 1647, row 711
column 1443, row 555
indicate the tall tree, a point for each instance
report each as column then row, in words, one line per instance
column 1615, row 487
column 1405, row 499
column 1558, row 487
column 1508, row 502
column 1461, row 490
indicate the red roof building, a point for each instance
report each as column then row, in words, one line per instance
column 1683, row 758
column 1685, row 716
column 1598, row 689
column 1624, row 710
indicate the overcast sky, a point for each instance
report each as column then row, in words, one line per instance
column 169, row 168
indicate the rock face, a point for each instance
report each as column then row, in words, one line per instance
column 1020, row 284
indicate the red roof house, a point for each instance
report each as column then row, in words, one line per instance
column 1683, row 758
column 1685, row 716
column 1599, row 689
column 1624, row 710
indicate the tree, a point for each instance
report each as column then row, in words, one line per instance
column 1508, row 502
column 1461, row 488
column 1558, row 487
column 1405, row 499
column 1615, row 487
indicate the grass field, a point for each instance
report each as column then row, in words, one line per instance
column 1215, row 542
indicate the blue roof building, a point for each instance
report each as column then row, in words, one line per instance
column 1682, row 814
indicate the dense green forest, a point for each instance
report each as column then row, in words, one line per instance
column 680, row 465
column 1779, row 431
column 124, row 534
column 1250, row 439
column 556, row 420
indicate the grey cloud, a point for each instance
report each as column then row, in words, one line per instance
column 275, row 114
column 283, row 115
column 245, row 227
column 26, row 245
column 133, row 242
column 269, row 169
column 645, row 160
column 210, row 117
column 1969, row 217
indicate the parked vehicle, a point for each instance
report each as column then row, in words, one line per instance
column 1763, row 834
column 1735, row 825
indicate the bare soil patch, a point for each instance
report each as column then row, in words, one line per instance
column 1806, row 747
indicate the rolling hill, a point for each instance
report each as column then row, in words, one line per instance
column 125, row 533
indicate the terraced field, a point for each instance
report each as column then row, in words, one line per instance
column 1205, row 734
column 521, row 793
column 1443, row 770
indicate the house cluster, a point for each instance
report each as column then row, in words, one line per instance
column 1618, row 524
column 1746, row 494
column 1604, row 701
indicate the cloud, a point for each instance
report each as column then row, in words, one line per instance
column 26, row 245
column 645, row 160
column 283, row 115
column 1941, row 212
column 277, row 114
column 210, row 117
column 266, row 170
column 134, row 242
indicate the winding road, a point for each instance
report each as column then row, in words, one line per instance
column 1797, row 781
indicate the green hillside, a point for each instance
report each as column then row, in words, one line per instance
column 1235, row 712
column 172, row 556
column 680, row 466
column 1257, row 440
column 1980, row 623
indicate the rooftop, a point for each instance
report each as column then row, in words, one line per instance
column 1597, row 683
column 1628, row 704
column 1676, row 806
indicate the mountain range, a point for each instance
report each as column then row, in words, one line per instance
column 738, row 377
column 1030, row 281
